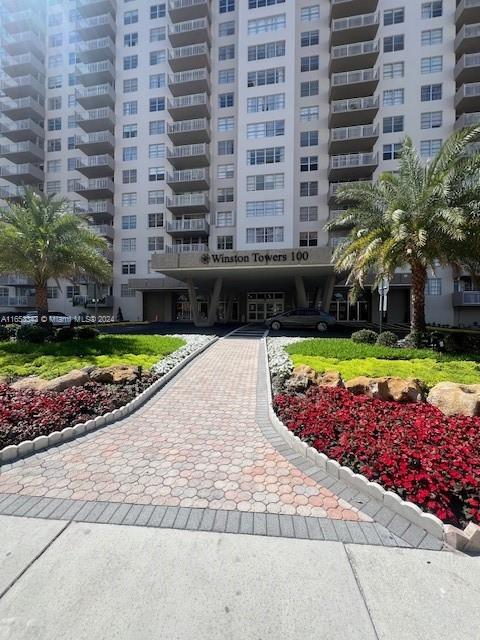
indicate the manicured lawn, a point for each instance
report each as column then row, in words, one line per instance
column 55, row 359
column 353, row 360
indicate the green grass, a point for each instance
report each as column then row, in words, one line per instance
column 353, row 360
column 55, row 359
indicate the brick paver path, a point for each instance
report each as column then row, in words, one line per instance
column 196, row 444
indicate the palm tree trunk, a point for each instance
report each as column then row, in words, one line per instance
column 419, row 280
column 41, row 302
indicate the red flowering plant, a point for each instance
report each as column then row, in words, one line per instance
column 412, row 449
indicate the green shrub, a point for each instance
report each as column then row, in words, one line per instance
column 86, row 333
column 387, row 339
column 364, row 336
column 64, row 334
column 416, row 340
column 33, row 333
column 7, row 331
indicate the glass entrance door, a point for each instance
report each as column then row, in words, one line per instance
column 263, row 305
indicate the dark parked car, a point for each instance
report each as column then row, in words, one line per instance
column 301, row 319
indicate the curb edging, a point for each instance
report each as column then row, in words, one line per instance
column 408, row 510
column 14, row 452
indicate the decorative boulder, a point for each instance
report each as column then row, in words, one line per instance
column 302, row 378
column 456, row 399
column 30, row 383
column 117, row 374
column 360, row 386
column 330, row 379
column 388, row 388
column 75, row 378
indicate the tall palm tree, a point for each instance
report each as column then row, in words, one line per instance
column 41, row 240
column 416, row 217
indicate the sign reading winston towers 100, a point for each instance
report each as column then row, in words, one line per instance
column 256, row 257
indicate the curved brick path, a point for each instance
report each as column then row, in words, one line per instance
column 196, row 444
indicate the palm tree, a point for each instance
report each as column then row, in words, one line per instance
column 416, row 217
column 41, row 240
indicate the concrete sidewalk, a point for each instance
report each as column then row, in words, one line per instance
column 79, row 581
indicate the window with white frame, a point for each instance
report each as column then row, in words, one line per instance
column 308, row 214
column 261, row 208
column 156, row 174
column 430, row 148
column 224, row 243
column 434, row 287
column 227, row 52
column 157, row 34
column 309, row 38
column 130, row 130
column 225, row 147
column 309, row 88
column 225, row 219
column 392, row 97
column 129, row 199
column 309, row 63
column 269, row 23
column 157, row 81
column 392, row 151
column 225, row 194
column 308, row 189
column 309, row 163
column 266, row 50
column 433, row 64
column 266, row 103
column 155, row 220
column 308, row 239
column 225, row 171
column 393, row 124
column 267, row 182
column 129, row 268
column 393, row 16
column 431, row 92
column 269, row 155
column 431, row 120
column 309, row 114
column 432, row 9
column 268, row 129
column 226, row 28
column 226, row 76
column 126, row 292
column 310, row 13
column 394, row 43
column 129, row 244
column 431, row 37
column 130, row 85
column 155, row 243
column 129, row 221
column 266, row 76
column 393, row 70
column 129, row 153
column 156, row 151
column 156, row 127
column 156, row 197
column 226, row 124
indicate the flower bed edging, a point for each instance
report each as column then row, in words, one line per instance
column 14, row 452
column 408, row 510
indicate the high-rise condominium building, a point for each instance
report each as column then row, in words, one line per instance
column 206, row 140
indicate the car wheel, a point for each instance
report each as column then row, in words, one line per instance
column 276, row 326
column 322, row 327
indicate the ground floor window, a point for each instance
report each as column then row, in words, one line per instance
column 263, row 305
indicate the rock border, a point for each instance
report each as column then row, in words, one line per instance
column 467, row 540
column 15, row 452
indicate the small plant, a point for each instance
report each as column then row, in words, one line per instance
column 387, row 339
column 86, row 333
column 33, row 333
column 416, row 340
column 364, row 336
column 7, row 331
column 64, row 334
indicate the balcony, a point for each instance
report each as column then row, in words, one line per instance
column 349, row 57
column 23, row 108
column 24, row 42
column 96, row 50
column 187, row 248
column 96, row 166
column 15, row 281
column 17, row 301
column 468, row 120
column 101, row 95
column 188, row 203
column 94, row 189
column 189, row 131
column 96, row 143
column 354, row 111
column 96, row 27
column 188, row 82
column 96, row 120
column 353, row 84
column 23, row 87
column 21, row 130
column 22, row 152
column 102, row 72
column 356, row 165
column 467, row 98
column 467, row 39
column 189, row 107
column 101, row 211
column 466, row 299
column 334, row 188
column 22, row 174
column 468, row 11
column 103, row 230
column 195, row 56
column 354, row 29
column 348, row 139
column 181, row 10
column 88, row 8
column 189, row 32
column 189, row 156
column 22, row 65
column 19, row 21
column 189, row 180
column 16, row 194
column 467, row 68
column 188, row 226
column 344, row 8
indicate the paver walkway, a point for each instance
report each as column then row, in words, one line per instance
column 202, row 443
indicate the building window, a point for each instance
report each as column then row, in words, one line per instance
column 393, row 124
column 430, row 148
column 130, row 131
column 393, row 43
column 269, row 155
column 130, row 85
column 432, row 9
column 311, row 13
column 309, row 63
column 262, row 235
column 309, row 163
column 129, row 176
column 264, row 25
column 393, row 16
column 130, row 108
column 225, row 194
column 431, row 37
column 129, row 153
column 309, row 38
column 130, row 40
column 225, row 243
column 392, row 151
column 130, row 62
column 226, row 28
column 52, row 293
column 227, row 52
column 55, row 82
column 225, row 147
column 267, row 182
column 226, row 124
column 157, row 104
column 308, row 189
column 394, row 70
column 156, row 174
column 157, row 81
column 309, row 88
column 55, row 166
column 266, row 76
column 434, row 287
column 434, row 64
column 156, row 151
column 157, row 57
column 129, row 199
column 129, row 244
column 431, row 120
column 155, row 243
column 225, row 171
column 226, row 6
column 393, row 97
column 308, row 214
column 158, row 34
column 226, row 100
column 129, row 268
column 156, row 197
column 266, row 50
column 72, row 291
column 156, row 127
column 155, row 220
column 157, row 11
column 266, row 103
column 54, row 145
column 431, row 92
column 226, row 76
column 308, row 239
column 54, row 124
column 262, row 208
column 309, row 114
column 126, row 292
column 309, row 138
column 269, row 129
column 130, row 17
column 225, row 219
column 129, row 222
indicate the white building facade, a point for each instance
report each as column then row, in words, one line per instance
column 206, row 140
